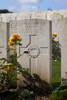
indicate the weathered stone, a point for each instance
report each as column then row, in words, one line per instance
column 64, row 50
column 3, row 40
column 36, row 37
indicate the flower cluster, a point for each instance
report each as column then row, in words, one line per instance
column 14, row 39
column 54, row 34
column 7, row 67
column 55, row 12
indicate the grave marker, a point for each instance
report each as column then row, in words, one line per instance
column 3, row 39
column 36, row 38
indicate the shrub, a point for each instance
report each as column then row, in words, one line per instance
column 34, row 86
column 60, row 93
column 56, row 50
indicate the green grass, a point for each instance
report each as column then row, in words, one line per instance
column 56, row 73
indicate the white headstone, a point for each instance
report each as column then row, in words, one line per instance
column 64, row 50
column 36, row 39
column 3, row 40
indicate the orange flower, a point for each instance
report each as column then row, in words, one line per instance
column 15, row 35
column 9, row 68
column 54, row 34
column 10, row 43
column 9, row 64
column 12, row 38
column 19, row 39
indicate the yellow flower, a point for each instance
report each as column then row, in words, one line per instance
column 9, row 64
column 11, row 43
column 54, row 34
column 12, row 38
column 15, row 35
column 9, row 68
column 19, row 39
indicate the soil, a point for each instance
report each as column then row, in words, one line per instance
column 42, row 98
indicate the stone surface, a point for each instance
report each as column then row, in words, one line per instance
column 20, row 16
column 35, row 31
column 64, row 50
column 63, row 13
column 36, row 37
column 56, row 27
column 3, row 40
column 54, row 16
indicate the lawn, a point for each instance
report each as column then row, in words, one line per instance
column 56, row 72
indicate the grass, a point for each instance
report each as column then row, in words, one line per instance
column 56, row 73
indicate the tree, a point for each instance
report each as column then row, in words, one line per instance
column 4, row 11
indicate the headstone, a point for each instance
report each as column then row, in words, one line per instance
column 63, row 13
column 20, row 16
column 36, row 38
column 64, row 50
column 56, row 18
column 3, row 40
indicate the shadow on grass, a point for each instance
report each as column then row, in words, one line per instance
column 8, row 96
column 55, row 85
